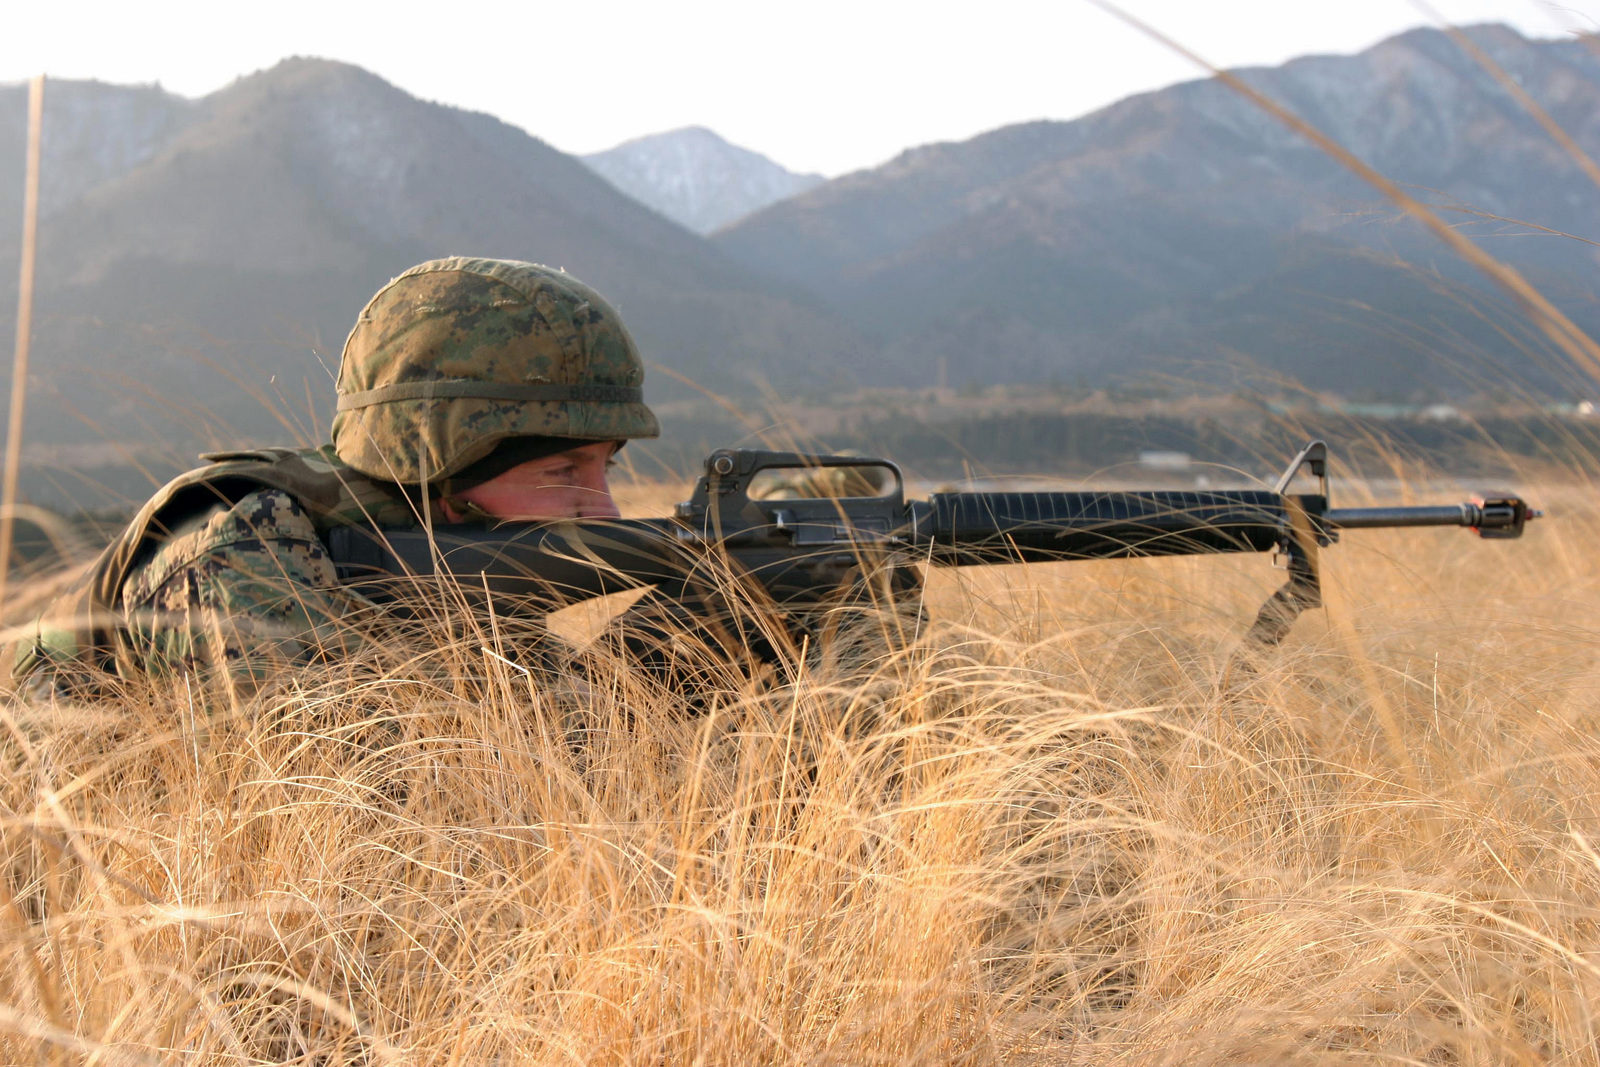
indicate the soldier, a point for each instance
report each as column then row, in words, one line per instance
column 469, row 389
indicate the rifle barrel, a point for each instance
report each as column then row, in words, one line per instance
column 1469, row 513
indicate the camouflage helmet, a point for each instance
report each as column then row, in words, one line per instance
column 456, row 355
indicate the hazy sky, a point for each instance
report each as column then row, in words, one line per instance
column 828, row 85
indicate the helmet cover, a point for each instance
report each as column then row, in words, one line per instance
column 456, row 355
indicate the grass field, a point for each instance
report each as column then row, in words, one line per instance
column 1070, row 827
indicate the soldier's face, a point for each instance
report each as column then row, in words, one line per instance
column 568, row 485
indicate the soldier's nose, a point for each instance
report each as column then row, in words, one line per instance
column 600, row 505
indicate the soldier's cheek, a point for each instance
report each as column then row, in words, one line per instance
column 548, row 503
column 517, row 503
column 570, row 502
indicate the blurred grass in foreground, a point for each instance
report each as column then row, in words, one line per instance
column 1062, row 832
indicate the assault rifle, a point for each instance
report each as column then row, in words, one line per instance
column 803, row 526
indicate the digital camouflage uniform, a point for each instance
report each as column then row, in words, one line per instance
column 226, row 568
column 248, row 586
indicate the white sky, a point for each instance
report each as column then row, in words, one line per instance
column 825, row 85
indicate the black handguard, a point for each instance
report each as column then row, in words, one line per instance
column 803, row 526
column 964, row 529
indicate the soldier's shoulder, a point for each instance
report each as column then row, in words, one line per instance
column 263, row 522
column 330, row 490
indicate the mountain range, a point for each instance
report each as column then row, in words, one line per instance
column 697, row 179
column 1180, row 227
column 201, row 260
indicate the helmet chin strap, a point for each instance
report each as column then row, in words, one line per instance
column 467, row 510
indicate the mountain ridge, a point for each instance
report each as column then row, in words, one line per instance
column 1165, row 227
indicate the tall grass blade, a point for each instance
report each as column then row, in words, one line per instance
column 19, row 371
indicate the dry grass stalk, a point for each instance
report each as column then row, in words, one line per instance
column 19, row 369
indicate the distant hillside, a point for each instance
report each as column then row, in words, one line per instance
column 197, row 253
column 1183, row 227
column 696, row 178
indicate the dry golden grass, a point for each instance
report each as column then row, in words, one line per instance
column 1063, row 832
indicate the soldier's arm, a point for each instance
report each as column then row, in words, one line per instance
column 247, row 589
